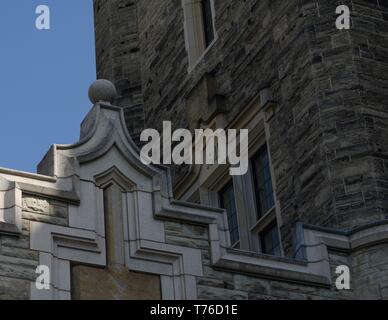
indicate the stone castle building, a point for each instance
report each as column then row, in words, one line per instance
column 315, row 197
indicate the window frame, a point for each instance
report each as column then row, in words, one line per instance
column 259, row 223
column 194, row 30
column 208, row 38
column 269, row 228
column 260, row 213
column 211, row 179
column 228, row 185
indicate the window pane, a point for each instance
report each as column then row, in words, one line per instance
column 228, row 203
column 270, row 242
column 207, row 22
column 263, row 181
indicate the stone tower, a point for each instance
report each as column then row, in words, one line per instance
column 312, row 205
column 118, row 59
column 323, row 93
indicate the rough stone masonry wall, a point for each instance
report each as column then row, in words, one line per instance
column 341, row 120
column 336, row 126
column 17, row 262
column 329, row 137
column 260, row 43
column 353, row 107
column 370, row 272
column 118, row 56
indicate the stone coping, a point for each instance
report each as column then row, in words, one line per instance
column 29, row 175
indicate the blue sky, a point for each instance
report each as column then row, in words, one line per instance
column 44, row 78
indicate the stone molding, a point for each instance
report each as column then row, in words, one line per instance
column 107, row 154
column 10, row 207
column 58, row 247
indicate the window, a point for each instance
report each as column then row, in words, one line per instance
column 227, row 202
column 208, row 27
column 266, row 226
column 262, row 181
column 270, row 242
column 199, row 27
column 249, row 200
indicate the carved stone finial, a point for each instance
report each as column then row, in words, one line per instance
column 102, row 91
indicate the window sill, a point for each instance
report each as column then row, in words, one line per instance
column 264, row 221
column 201, row 58
column 236, row 245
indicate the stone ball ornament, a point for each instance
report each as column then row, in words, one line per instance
column 102, row 91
